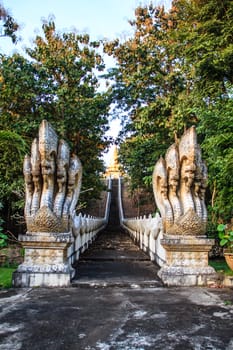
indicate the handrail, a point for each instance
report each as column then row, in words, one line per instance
column 145, row 231
column 108, row 202
column 86, row 228
column 121, row 212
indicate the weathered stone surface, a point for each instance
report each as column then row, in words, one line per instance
column 129, row 318
column 173, row 276
column 24, row 279
column 45, row 261
column 186, row 261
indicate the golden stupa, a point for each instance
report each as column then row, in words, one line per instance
column 113, row 170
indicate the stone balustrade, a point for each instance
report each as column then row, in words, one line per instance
column 86, row 230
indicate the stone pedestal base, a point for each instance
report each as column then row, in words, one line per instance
column 45, row 262
column 186, row 261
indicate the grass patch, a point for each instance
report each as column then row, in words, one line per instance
column 6, row 276
column 220, row 265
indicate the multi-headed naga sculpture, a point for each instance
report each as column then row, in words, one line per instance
column 179, row 184
column 52, row 182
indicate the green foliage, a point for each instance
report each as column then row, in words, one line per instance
column 147, row 83
column 216, row 131
column 58, row 83
column 6, row 277
column 3, row 236
column 12, row 151
column 173, row 72
column 136, row 153
column 225, row 235
column 3, row 240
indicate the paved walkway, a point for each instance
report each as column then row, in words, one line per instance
column 116, row 302
column 116, row 318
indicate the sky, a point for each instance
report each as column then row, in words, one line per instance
column 99, row 18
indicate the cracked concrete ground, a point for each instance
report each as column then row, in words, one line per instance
column 125, row 318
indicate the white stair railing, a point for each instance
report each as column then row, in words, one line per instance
column 145, row 231
column 87, row 228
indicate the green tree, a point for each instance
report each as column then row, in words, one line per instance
column 12, row 151
column 217, row 127
column 66, row 64
column 204, row 41
column 146, row 84
column 59, row 83
column 173, row 72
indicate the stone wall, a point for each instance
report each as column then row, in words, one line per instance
column 138, row 203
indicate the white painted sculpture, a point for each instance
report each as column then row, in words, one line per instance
column 55, row 234
column 179, row 183
column 52, row 182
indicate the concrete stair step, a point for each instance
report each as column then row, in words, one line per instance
column 113, row 260
column 134, row 284
column 118, row 272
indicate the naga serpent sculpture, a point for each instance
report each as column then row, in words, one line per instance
column 52, row 183
column 179, row 184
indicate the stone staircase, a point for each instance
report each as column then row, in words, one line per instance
column 113, row 259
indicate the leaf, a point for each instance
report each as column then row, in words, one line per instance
column 221, row 227
column 223, row 242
